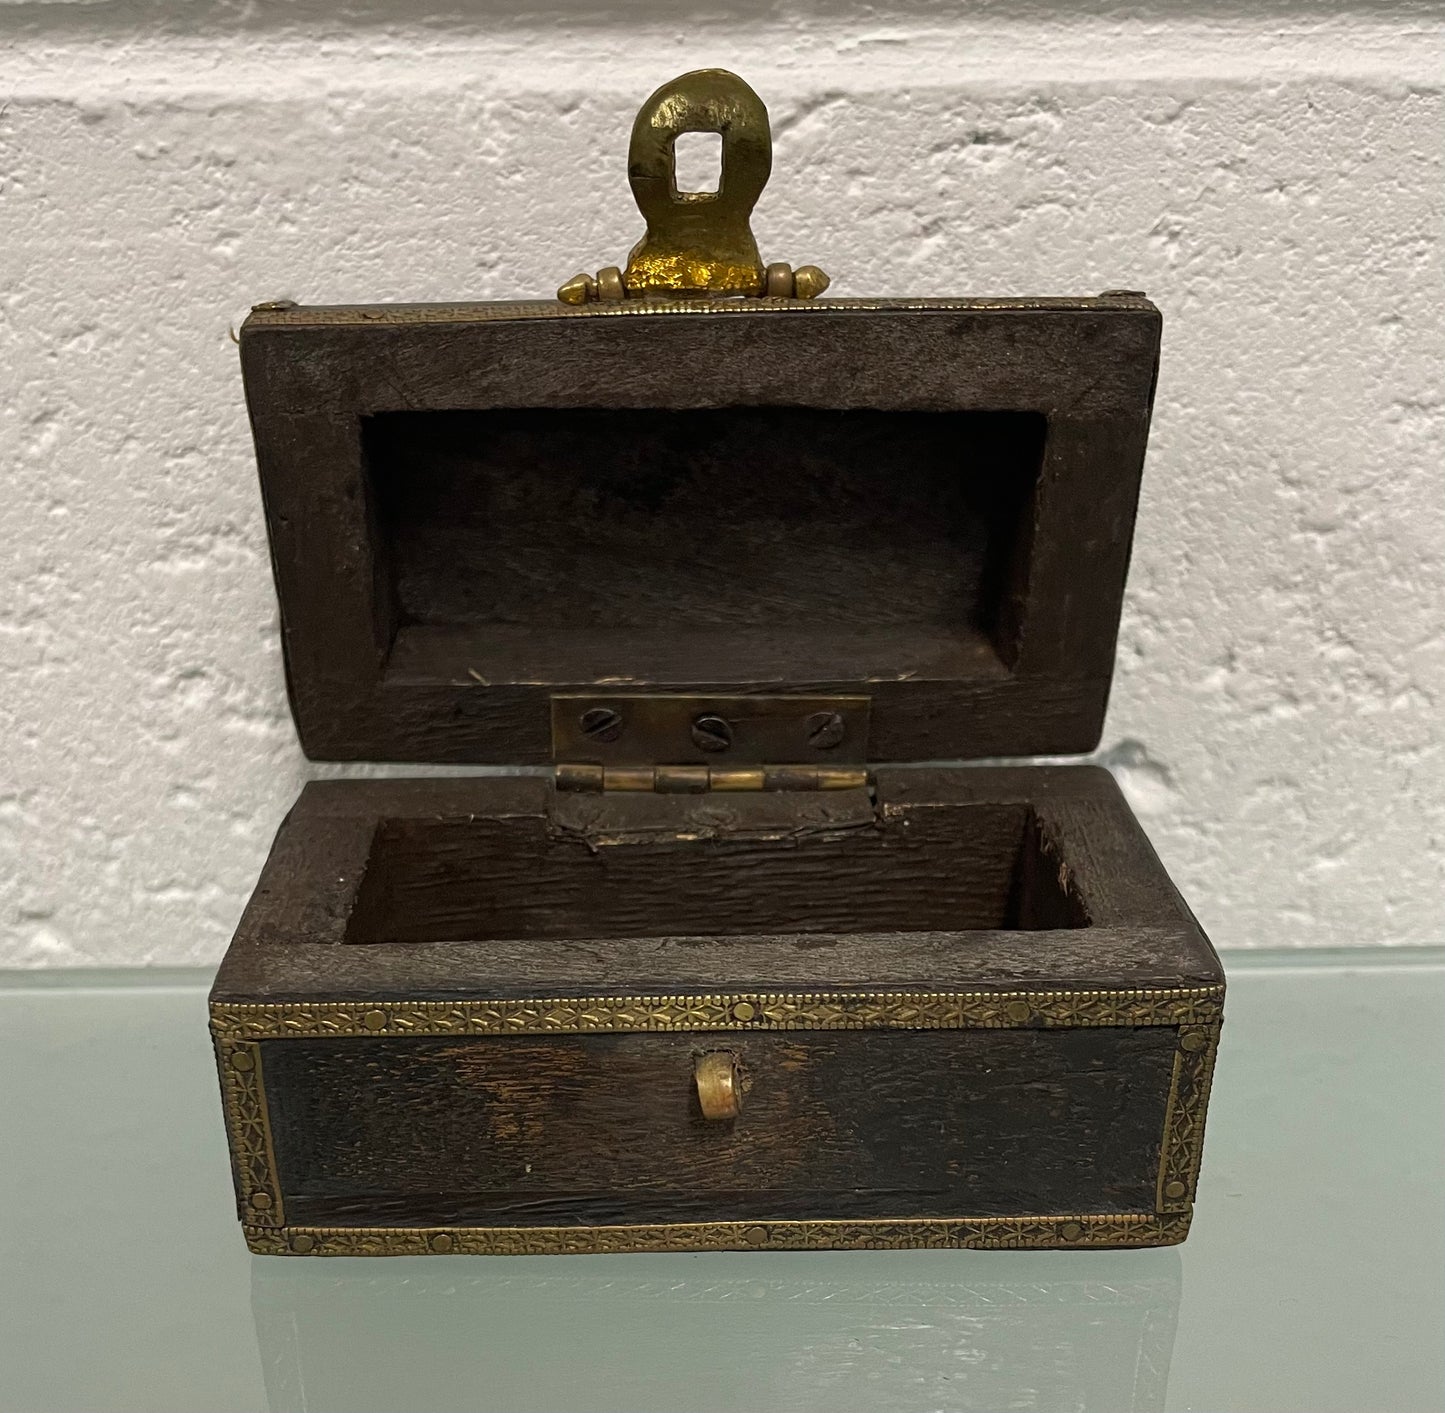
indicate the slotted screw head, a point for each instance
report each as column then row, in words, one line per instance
column 825, row 730
column 601, row 724
column 711, row 733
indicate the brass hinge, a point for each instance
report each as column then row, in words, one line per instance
column 682, row 745
column 700, row 779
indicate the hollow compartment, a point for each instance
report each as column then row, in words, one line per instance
column 467, row 878
column 723, row 544
column 966, row 998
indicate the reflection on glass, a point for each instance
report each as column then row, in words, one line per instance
column 1087, row 1332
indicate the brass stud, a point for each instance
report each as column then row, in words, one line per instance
column 609, row 285
column 1193, row 1041
column 260, row 1200
column 301, row 1243
column 578, row 290
column 1071, row 1231
column 744, row 1011
column 1019, row 1011
column 243, row 1060
column 778, row 281
column 1174, row 1190
column 374, row 1020
column 440, row 1242
column 809, row 281
column 756, row 1236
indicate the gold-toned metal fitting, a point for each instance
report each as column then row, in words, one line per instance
column 1111, row 1229
column 302, row 1243
column 609, row 284
column 719, row 1089
column 673, row 743
column 740, row 778
column 700, row 779
column 578, row 776
column 578, row 290
column 1193, row 1040
column 778, row 282
column 441, row 1242
column 680, row 779
column 698, row 244
column 1018, row 1011
column 374, row 1020
column 1174, row 1190
column 1071, row 1231
column 809, row 282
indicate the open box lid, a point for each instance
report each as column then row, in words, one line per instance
column 924, row 506
column 925, row 503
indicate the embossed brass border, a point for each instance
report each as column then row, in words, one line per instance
column 282, row 314
column 749, row 1010
column 1196, row 1012
column 1183, row 1142
column 976, row 1233
column 248, row 1124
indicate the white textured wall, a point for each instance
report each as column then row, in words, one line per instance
column 1273, row 180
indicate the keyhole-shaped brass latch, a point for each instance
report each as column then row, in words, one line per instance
column 699, row 244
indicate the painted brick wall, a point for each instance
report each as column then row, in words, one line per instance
column 1271, row 175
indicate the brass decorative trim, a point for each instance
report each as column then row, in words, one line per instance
column 394, row 315
column 1196, row 1012
column 977, row 1233
column 1183, row 1142
column 248, row 1124
column 751, row 1010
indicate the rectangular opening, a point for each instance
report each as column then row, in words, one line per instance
column 736, row 544
column 970, row 867
column 697, row 161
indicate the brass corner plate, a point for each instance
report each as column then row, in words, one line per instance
column 239, row 1031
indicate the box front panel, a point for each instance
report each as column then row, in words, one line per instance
column 608, row 1129
column 555, row 1141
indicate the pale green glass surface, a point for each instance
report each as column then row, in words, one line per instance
column 1314, row 1279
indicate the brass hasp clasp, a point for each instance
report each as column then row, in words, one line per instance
column 698, row 244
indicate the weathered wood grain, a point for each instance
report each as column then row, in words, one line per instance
column 607, row 1129
column 475, row 879
column 291, row 944
column 782, row 487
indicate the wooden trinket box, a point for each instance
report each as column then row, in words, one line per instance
column 716, row 962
